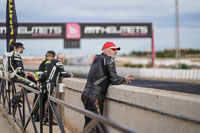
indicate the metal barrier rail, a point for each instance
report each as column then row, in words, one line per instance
column 5, row 92
column 156, row 73
column 95, row 122
column 22, row 94
column 95, row 118
column 38, row 101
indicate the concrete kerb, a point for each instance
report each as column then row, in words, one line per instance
column 10, row 120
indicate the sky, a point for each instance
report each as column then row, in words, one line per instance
column 161, row 13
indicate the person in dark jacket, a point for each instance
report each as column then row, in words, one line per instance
column 102, row 73
column 55, row 70
column 41, row 76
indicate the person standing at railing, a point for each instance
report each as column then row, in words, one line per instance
column 16, row 69
column 55, row 70
column 41, row 75
column 102, row 73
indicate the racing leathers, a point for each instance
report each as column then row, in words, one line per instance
column 55, row 70
column 17, row 74
column 102, row 73
column 40, row 74
column 16, row 69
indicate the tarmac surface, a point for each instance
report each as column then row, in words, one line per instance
column 191, row 88
column 5, row 126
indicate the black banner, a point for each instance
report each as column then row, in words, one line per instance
column 11, row 24
column 116, row 30
column 37, row 30
column 76, row 31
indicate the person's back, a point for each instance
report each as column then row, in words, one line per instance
column 55, row 70
column 41, row 76
column 16, row 64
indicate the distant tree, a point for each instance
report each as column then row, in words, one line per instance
column 168, row 53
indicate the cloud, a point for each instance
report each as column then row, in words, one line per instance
column 160, row 12
column 95, row 9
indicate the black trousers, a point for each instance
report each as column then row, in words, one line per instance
column 49, row 89
column 44, row 100
column 94, row 103
column 45, row 87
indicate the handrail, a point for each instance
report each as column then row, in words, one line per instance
column 94, row 116
column 23, row 94
column 28, row 88
column 96, row 119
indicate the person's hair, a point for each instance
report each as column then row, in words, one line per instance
column 52, row 53
column 106, row 50
column 18, row 45
column 60, row 55
column 13, row 46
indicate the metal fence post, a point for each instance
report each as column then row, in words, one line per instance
column 50, row 116
column 41, row 110
column 23, row 102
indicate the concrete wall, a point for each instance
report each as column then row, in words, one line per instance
column 146, row 121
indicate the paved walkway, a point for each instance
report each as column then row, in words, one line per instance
column 5, row 127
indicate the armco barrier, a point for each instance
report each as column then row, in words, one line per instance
column 179, row 74
column 144, row 109
column 156, row 73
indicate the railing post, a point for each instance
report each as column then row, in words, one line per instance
column 41, row 110
column 13, row 89
column 4, row 91
column 9, row 90
column 1, row 89
column 50, row 116
column 23, row 102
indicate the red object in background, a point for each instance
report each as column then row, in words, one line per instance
column 153, row 49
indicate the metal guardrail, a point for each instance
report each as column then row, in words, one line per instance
column 156, row 73
column 96, row 120
column 22, row 98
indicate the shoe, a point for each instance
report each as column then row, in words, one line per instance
column 13, row 104
column 36, row 118
column 45, row 120
column 53, row 123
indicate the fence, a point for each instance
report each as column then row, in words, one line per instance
column 179, row 74
column 96, row 120
column 156, row 73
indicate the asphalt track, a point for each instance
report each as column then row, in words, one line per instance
column 191, row 88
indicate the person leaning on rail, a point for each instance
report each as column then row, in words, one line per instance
column 102, row 73
column 40, row 75
column 55, row 70
column 16, row 69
